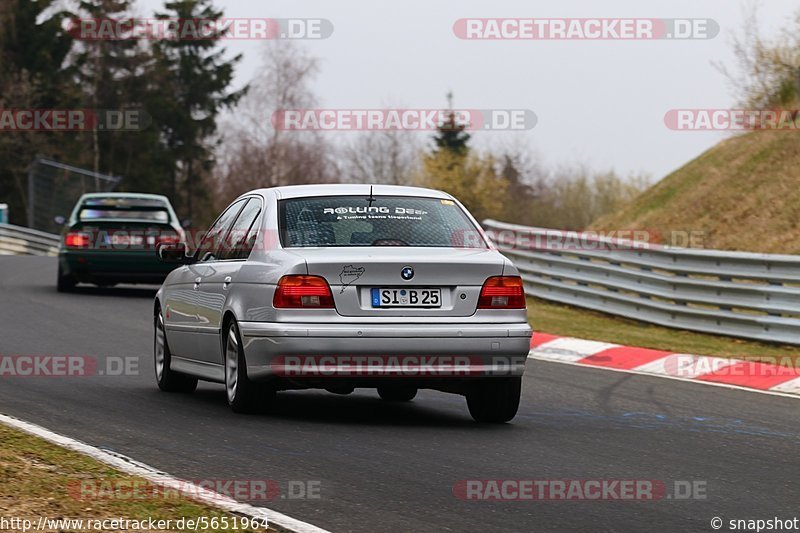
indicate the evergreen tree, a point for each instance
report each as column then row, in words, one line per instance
column 452, row 167
column 452, row 136
column 33, row 51
column 196, row 76
column 32, row 75
column 109, row 71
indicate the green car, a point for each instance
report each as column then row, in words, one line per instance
column 111, row 238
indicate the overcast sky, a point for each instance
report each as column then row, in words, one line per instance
column 599, row 103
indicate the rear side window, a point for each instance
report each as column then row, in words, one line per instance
column 212, row 240
column 242, row 237
column 386, row 221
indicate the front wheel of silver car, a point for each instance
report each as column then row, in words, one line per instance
column 494, row 400
column 243, row 395
column 168, row 380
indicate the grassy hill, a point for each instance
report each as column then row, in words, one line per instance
column 742, row 194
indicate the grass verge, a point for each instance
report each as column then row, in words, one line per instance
column 40, row 479
column 558, row 319
column 742, row 194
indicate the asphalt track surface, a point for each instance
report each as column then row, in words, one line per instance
column 388, row 467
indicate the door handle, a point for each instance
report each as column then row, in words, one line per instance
column 197, row 282
column 226, row 282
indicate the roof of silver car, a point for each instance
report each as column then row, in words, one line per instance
column 350, row 189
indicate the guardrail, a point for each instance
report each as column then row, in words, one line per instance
column 747, row 295
column 16, row 240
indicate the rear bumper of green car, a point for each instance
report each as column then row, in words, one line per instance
column 113, row 266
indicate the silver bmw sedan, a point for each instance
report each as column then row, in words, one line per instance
column 341, row 287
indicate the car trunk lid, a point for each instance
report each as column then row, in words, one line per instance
column 353, row 273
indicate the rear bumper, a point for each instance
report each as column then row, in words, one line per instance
column 117, row 266
column 418, row 351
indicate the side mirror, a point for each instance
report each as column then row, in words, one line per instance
column 174, row 253
column 186, row 223
column 60, row 220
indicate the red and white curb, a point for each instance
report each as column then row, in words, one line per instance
column 720, row 371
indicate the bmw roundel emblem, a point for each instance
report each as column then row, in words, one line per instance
column 407, row 273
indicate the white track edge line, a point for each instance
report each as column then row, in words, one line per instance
column 676, row 378
column 135, row 468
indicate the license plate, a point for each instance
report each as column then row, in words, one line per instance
column 126, row 240
column 406, row 297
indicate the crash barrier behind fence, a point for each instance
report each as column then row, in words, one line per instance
column 15, row 240
column 748, row 295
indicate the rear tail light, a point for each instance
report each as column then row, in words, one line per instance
column 77, row 239
column 168, row 238
column 302, row 292
column 163, row 238
column 502, row 292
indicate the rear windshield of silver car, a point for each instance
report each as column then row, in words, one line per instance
column 377, row 221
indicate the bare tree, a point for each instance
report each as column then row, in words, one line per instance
column 253, row 152
column 389, row 157
column 767, row 73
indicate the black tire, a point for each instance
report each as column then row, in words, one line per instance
column 395, row 393
column 65, row 282
column 168, row 380
column 244, row 396
column 495, row 400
